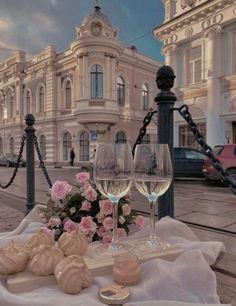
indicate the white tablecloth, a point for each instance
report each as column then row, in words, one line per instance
column 188, row 279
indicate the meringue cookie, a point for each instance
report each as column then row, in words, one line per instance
column 73, row 243
column 42, row 237
column 13, row 258
column 45, row 260
column 72, row 274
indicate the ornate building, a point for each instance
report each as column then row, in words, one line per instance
column 199, row 39
column 96, row 90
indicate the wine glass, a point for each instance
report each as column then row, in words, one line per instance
column 152, row 176
column 113, row 175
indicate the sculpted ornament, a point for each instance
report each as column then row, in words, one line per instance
column 186, row 3
column 213, row 32
column 188, row 32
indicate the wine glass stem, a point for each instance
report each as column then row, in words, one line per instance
column 114, row 242
column 152, row 220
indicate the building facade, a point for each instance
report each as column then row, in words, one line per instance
column 199, row 39
column 96, row 90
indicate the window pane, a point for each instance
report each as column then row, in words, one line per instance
column 67, row 144
column 96, row 82
column 84, row 146
column 120, row 137
column 68, row 95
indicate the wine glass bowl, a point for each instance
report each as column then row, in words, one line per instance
column 113, row 175
column 152, row 176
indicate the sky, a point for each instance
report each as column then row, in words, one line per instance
column 32, row 25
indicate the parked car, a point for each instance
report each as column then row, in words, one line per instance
column 188, row 162
column 9, row 160
column 227, row 156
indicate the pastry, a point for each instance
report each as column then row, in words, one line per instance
column 43, row 236
column 73, row 243
column 45, row 260
column 13, row 258
column 72, row 274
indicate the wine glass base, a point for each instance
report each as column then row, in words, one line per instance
column 110, row 250
column 151, row 245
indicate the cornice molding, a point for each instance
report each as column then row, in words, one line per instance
column 209, row 15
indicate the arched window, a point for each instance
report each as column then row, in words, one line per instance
column 84, row 146
column 1, row 145
column 12, row 145
column 96, row 82
column 68, row 95
column 42, row 145
column 120, row 91
column 28, row 102
column 146, row 139
column 145, row 97
column 120, row 137
column 41, row 99
column 67, row 144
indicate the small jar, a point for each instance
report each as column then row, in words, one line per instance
column 126, row 269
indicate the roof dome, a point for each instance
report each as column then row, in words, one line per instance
column 96, row 24
column 97, row 15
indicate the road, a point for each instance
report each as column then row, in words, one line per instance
column 195, row 201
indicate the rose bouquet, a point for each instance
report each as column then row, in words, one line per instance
column 83, row 207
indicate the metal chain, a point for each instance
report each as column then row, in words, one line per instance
column 42, row 166
column 17, row 164
column 225, row 175
column 143, row 130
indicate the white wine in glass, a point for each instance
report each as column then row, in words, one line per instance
column 152, row 176
column 113, row 175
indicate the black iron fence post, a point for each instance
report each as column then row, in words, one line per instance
column 30, row 174
column 165, row 102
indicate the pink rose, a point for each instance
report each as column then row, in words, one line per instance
column 107, row 238
column 54, row 221
column 85, row 206
column 121, row 220
column 139, row 221
column 87, row 225
column 59, row 190
column 82, row 177
column 70, row 226
column 106, row 207
column 126, row 209
column 100, row 217
column 90, row 194
column 102, row 231
column 121, row 233
column 108, row 223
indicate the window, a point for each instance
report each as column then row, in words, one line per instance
column 41, row 99
column 67, row 145
column 42, row 145
column 186, row 137
column 145, row 98
column 120, row 137
column 233, row 51
column 12, row 145
column 120, row 91
column 28, row 102
column 1, row 146
column 194, row 65
column 96, row 82
column 84, row 146
column 68, row 95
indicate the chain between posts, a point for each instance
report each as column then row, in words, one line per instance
column 42, row 166
column 207, row 150
column 17, row 164
column 143, row 130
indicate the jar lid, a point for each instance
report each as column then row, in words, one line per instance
column 114, row 294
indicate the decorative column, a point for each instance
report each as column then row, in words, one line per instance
column 113, row 78
column 214, row 126
column 86, row 85
column 170, row 54
column 79, row 73
column 107, row 88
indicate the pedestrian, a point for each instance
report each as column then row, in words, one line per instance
column 72, row 157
